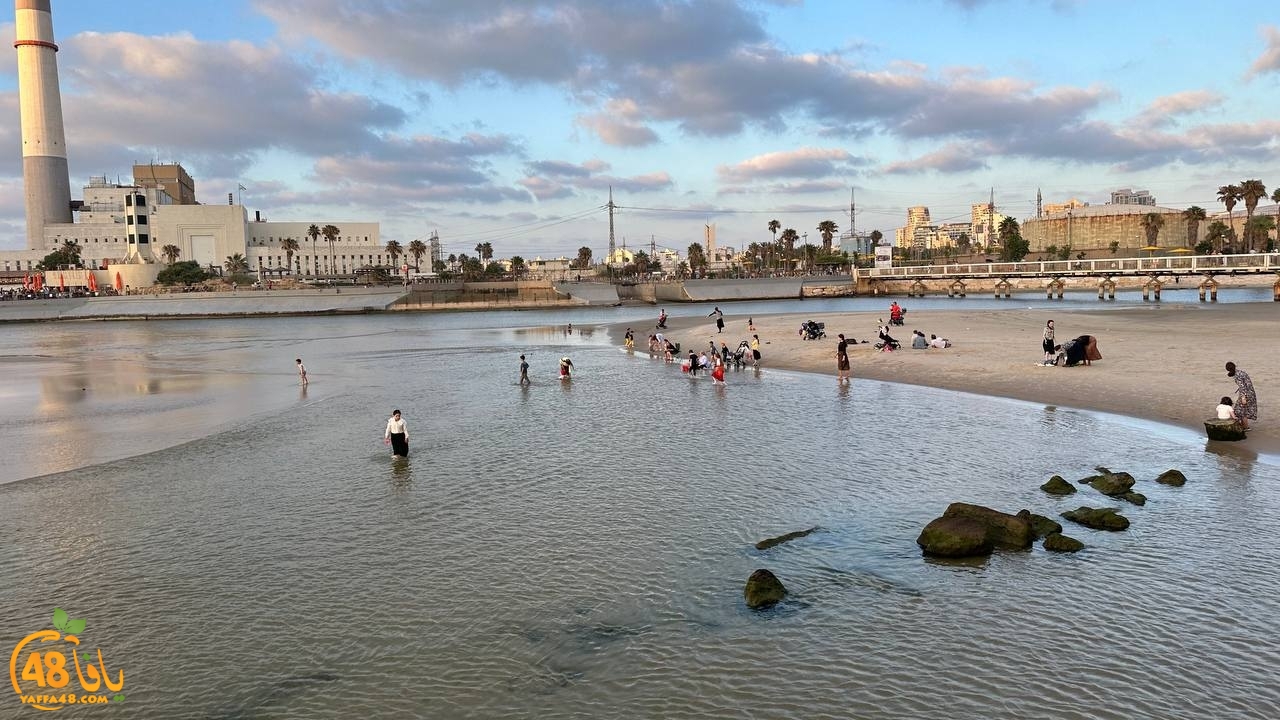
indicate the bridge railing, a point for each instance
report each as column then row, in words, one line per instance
column 1178, row 264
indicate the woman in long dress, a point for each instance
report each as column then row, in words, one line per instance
column 1246, row 406
column 397, row 435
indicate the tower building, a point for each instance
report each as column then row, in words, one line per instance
column 45, row 178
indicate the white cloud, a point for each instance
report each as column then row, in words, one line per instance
column 808, row 162
column 953, row 157
column 1269, row 60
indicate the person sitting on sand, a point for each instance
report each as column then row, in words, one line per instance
column 1225, row 409
column 917, row 340
column 939, row 343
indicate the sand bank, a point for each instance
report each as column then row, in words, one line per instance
column 1159, row 362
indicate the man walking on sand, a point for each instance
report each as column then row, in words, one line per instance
column 302, row 371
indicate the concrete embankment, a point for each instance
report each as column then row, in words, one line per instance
column 179, row 305
column 589, row 293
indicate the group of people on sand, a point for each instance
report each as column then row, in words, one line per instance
column 1245, row 406
column 1076, row 351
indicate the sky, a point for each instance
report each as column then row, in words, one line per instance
column 507, row 121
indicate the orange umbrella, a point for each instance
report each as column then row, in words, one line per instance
column 93, row 283
column 119, row 282
column 38, row 281
column 62, row 282
column 26, row 281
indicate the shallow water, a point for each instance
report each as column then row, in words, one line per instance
column 579, row 548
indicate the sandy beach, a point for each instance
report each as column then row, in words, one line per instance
column 1159, row 362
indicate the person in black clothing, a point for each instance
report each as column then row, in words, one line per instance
column 719, row 316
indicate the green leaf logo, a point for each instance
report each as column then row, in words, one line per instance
column 65, row 624
column 118, row 697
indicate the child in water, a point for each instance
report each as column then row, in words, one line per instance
column 566, row 368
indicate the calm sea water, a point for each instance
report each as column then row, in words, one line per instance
column 245, row 549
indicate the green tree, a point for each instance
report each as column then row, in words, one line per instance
column 583, row 261
column 1259, row 229
column 171, row 253
column 1064, row 253
column 518, row 267
column 828, row 229
column 331, row 233
column 236, row 264
column 774, row 226
column 394, row 250
column 697, row 258
column 1013, row 247
column 187, row 272
column 1229, row 195
column 68, row 255
column 1218, row 234
column 1114, row 247
column 289, row 246
column 417, row 249
column 313, row 232
column 641, row 262
column 1152, row 223
column 1251, row 191
column 485, row 251
column 789, row 239
column 1193, row 216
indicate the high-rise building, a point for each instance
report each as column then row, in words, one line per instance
column 170, row 177
column 1126, row 196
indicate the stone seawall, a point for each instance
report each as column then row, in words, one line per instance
column 179, row 305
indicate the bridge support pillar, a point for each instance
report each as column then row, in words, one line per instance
column 1210, row 286
column 1275, row 291
column 1003, row 287
column 957, row 288
column 1107, row 289
column 1151, row 287
column 916, row 289
column 1055, row 285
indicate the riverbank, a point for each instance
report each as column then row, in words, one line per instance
column 1159, row 362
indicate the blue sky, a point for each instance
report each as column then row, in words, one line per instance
column 507, row 121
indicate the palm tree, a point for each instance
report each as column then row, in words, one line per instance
column 289, row 246
column 828, row 228
column 697, row 257
column 171, row 253
column 453, row 261
column 517, row 266
column 1275, row 198
column 1251, row 191
column 789, row 238
column 1194, row 215
column 584, row 258
column 395, row 251
column 774, row 227
column 1151, row 224
column 331, row 233
column 313, row 232
column 236, row 264
column 1229, row 195
column 484, row 251
column 417, row 249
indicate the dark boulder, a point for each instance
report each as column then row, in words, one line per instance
column 1058, row 486
column 955, row 537
column 1098, row 518
column 1172, row 477
column 763, row 590
column 1230, row 430
column 1057, row 542
column 1004, row 530
column 770, row 542
column 1041, row 526
column 1111, row 484
column 1136, row 498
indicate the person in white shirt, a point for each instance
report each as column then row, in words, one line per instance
column 397, row 435
column 1226, row 411
column 302, row 371
column 937, row 342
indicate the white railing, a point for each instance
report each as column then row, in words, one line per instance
column 1170, row 264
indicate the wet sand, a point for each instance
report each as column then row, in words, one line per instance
column 1159, row 362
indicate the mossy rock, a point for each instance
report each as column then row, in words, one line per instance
column 770, row 542
column 1057, row 542
column 1172, row 477
column 1229, row 430
column 1058, row 486
column 1005, row 530
column 763, row 590
column 1042, row 526
column 1136, row 498
column 955, row 537
column 1111, row 484
column 1098, row 518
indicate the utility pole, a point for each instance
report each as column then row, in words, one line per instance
column 1039, row 205
column 991, row 216
column 612, row 246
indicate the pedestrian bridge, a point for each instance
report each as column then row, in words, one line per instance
column 1156, row 270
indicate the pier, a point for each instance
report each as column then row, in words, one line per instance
column 1156, row 271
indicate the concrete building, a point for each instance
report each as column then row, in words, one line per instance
column 984, row 221
column 1051, row 209
column 170, row 177
column 1095, row 227
column 1126, row 196
column 909, row 236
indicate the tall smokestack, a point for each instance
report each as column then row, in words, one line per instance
column 44, row 145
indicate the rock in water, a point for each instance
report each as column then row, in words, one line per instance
column 955, row 537
column 1004, row 530
column 1112, row 484
column 1230, row 430
column 1136, row 498
column 1041, row 526
column 1098, row 518
column 763, row 590
column 1058, row 486
column 1172, row 477
column 770, row 542
column 1057, row 542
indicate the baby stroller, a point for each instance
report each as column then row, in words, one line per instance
column 742, row 354
column 898, row 316
column 810, row 330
